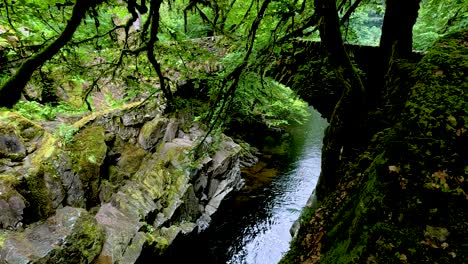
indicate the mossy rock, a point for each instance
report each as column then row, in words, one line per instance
column 70, row 236
column 18, row 136
column 128, row 163
column 12, row 204
column 152, row 133
column 88, row 152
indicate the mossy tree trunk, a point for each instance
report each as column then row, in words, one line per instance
column 396, row 45
column 10, row 92
column 344, row 122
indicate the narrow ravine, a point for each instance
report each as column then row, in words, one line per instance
column 253, row 225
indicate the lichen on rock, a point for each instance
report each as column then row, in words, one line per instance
column 70, row 236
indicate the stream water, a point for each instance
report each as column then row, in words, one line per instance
column 252, row 226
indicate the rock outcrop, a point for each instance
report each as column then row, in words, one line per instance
column 103, row 188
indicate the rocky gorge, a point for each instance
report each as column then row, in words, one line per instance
column 103, row 187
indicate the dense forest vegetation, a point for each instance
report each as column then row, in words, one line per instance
column 225, row 61
column 58, row 54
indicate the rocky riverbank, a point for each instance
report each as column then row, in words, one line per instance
column 101, row 187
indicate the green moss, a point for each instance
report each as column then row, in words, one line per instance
column 88, row 151
column 89, row 231
column 9, row 180
column 38, row 197
column 84, row 245
column 3, row 238
column 414, row 178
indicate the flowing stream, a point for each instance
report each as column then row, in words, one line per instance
column 253, row 225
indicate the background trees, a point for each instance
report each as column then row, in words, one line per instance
column 88, row 55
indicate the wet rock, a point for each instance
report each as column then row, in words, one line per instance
column 70, row 236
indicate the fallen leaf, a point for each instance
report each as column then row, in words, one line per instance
column 438, row 72
column 403, row 257
column 440, row 174
column 393, row 168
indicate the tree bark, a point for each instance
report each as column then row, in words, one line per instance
column 397, row 29
column 344, row 122
column 154, row 16
column 10, row 92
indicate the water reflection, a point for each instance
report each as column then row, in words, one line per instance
column 269, row 237
column 253, row 226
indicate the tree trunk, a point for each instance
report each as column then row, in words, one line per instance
column 154, row 16
column 397, row 29
column 344, row 122
column 10, row 92
column 396, row 43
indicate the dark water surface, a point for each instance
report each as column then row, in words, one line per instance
column 252, row 226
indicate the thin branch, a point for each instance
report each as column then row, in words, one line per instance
column 10, row 92
column 350, row 11
column 75, row 43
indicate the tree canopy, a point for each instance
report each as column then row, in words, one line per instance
column 87, row 55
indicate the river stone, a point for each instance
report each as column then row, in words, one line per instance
column 70, row 236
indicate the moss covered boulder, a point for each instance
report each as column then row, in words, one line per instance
column 88, row 152
column 405, row 199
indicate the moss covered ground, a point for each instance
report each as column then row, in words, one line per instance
column 405, row 199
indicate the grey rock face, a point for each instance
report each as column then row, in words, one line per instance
column 12, row 204
column 120, row 233
column 70, row 236
column 11, row 146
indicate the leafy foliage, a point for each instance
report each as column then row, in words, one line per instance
column 438, row 18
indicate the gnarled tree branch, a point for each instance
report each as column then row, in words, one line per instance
column 10, row 92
